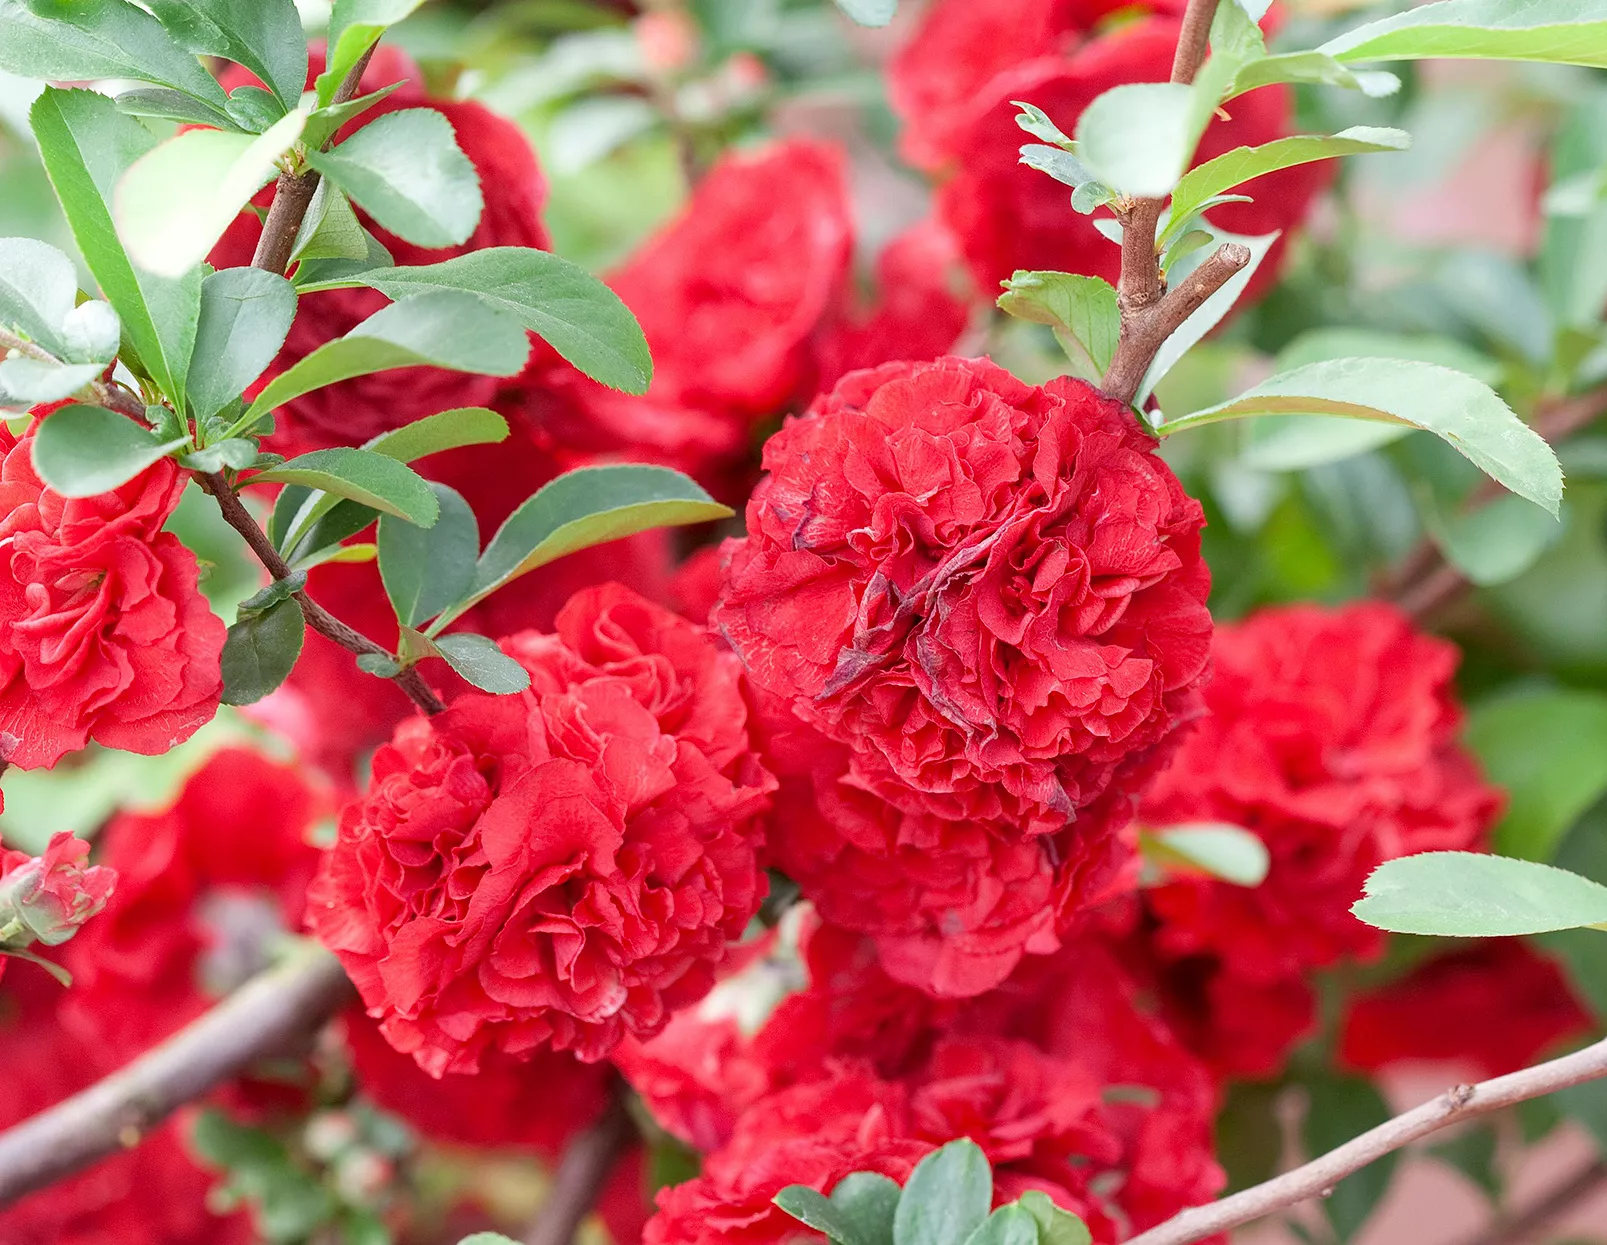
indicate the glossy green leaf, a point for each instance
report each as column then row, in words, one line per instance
column 405, row 169
column 946, row 1197
column 1314, row 67
column 478, row 659
column 1548, row 749
column 1467, row 414
column 1009, row 1225
column 1138, row 138
column 263, row 35
column 83, row 450
column 1081, row 310
column 38, row 287
column 870, row 12
column 1231, row 853
column 580, row 317
column 445, row 430
column 1240, row 165
column 868, row 1201
column 87, row 146
column 1055, row 1226
column 1570, row 32
column 1466, row 895
column 439, row 328
column 1494, row 542
column 329, row 274
column 815, row 1210
column 83, row 40
column 363, row 476
column 585, row 507
column 174, row 203
column 330, row 230
column 167, row 105
column 261, row 650
column 354, row 26
column 246, row 314
column 1338, row 1109
column 26, row 383
column 425, row 569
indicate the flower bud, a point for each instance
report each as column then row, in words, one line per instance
column 46, row 898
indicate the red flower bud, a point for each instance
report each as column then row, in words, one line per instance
column 46, row 898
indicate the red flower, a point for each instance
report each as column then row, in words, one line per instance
column 48, row 898
column 1008, row 216
column 536, row 1104
column 1497, row 1004
column 560, row 867
column 728, row 294
column 204, row 887
column 1332, row 735
column 103, row 634
column 514, row 190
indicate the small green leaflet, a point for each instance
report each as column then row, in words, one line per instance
column 445, row 430
column 1138, row 138
column 1231, row 853
column 478, row 659
column 26, row 383
column 869, row 12
column 246, row 315
column 261, row 650
column 440, row 328
column 425, row 569
column 38, row 287
column 1569, row 32
column 263, row 35
column 580, row 317
column 1081, row 310
column 1466, row 895
column 1009, row 1225
column 584, row 507
column 363, row 476
column 1467, row 414
column 1055, row 1226
column 354, row 26
column 405, row 169
column 167, row 232
column 869, row 1202
column 330, row 230
column 80, row 451
column 817, row 1211
column 946, row 1197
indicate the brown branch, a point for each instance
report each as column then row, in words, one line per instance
column 270, row 1015
column 1518, row 1228
column 1426, row 581
column 1149, row 315
column 1320, row 1175
column 580, row 1176
column 318, row 618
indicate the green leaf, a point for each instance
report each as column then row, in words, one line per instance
column 1466, row 895
column 1314, row 67
column 869, row 12
column 330, row 230
column 584, row 507
column 1240, row 165
column 1009, row 1225
column 1568, row 32
column 1138, row 138
column 91, row 333
column 1231, row 853
column 81, row 451
column 246, row 314
column 325, row 122
column 260, row 651
column 263, row 35
column 354, row 26
column 596, row 126
column 1492, row 543
column 1473, row 1153
column 1035, row 121
column 580, row 317
column 1549, row 750
column 167, row 105
column 82, row 40
column 425, row 569
column 445, row 430
column 946, row 1197
column 1249, row 1137
column 26, row 383
column 478, row 659
column 254, row 109
column 817, row 1211
column 440, row 328
column 1584, row 851
column 1338, row 1109
column 1081, row 310
column 1469, row 415
column 38, row 287
column 174, row 203
column 488, row 1238
column 868, row 1201
column 336, row 553
column 87, row 146
column 333, row 274
column 1055, row 1226
column 236, row 452
column 405, row 169
column 363, row 476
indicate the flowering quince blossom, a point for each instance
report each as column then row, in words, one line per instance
column 985, row 603
column 1332, row 735
column 954, row 84
column 48, row 898
column 103, row 632
column 561, row 867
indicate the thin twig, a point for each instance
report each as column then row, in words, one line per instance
column 1518, row 1228
column 269, row 1015
column 318, row 618
column 580, row 1176
column 1150, row 313
column 1314, row 1178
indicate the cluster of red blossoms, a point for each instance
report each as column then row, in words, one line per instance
column 961, row 655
